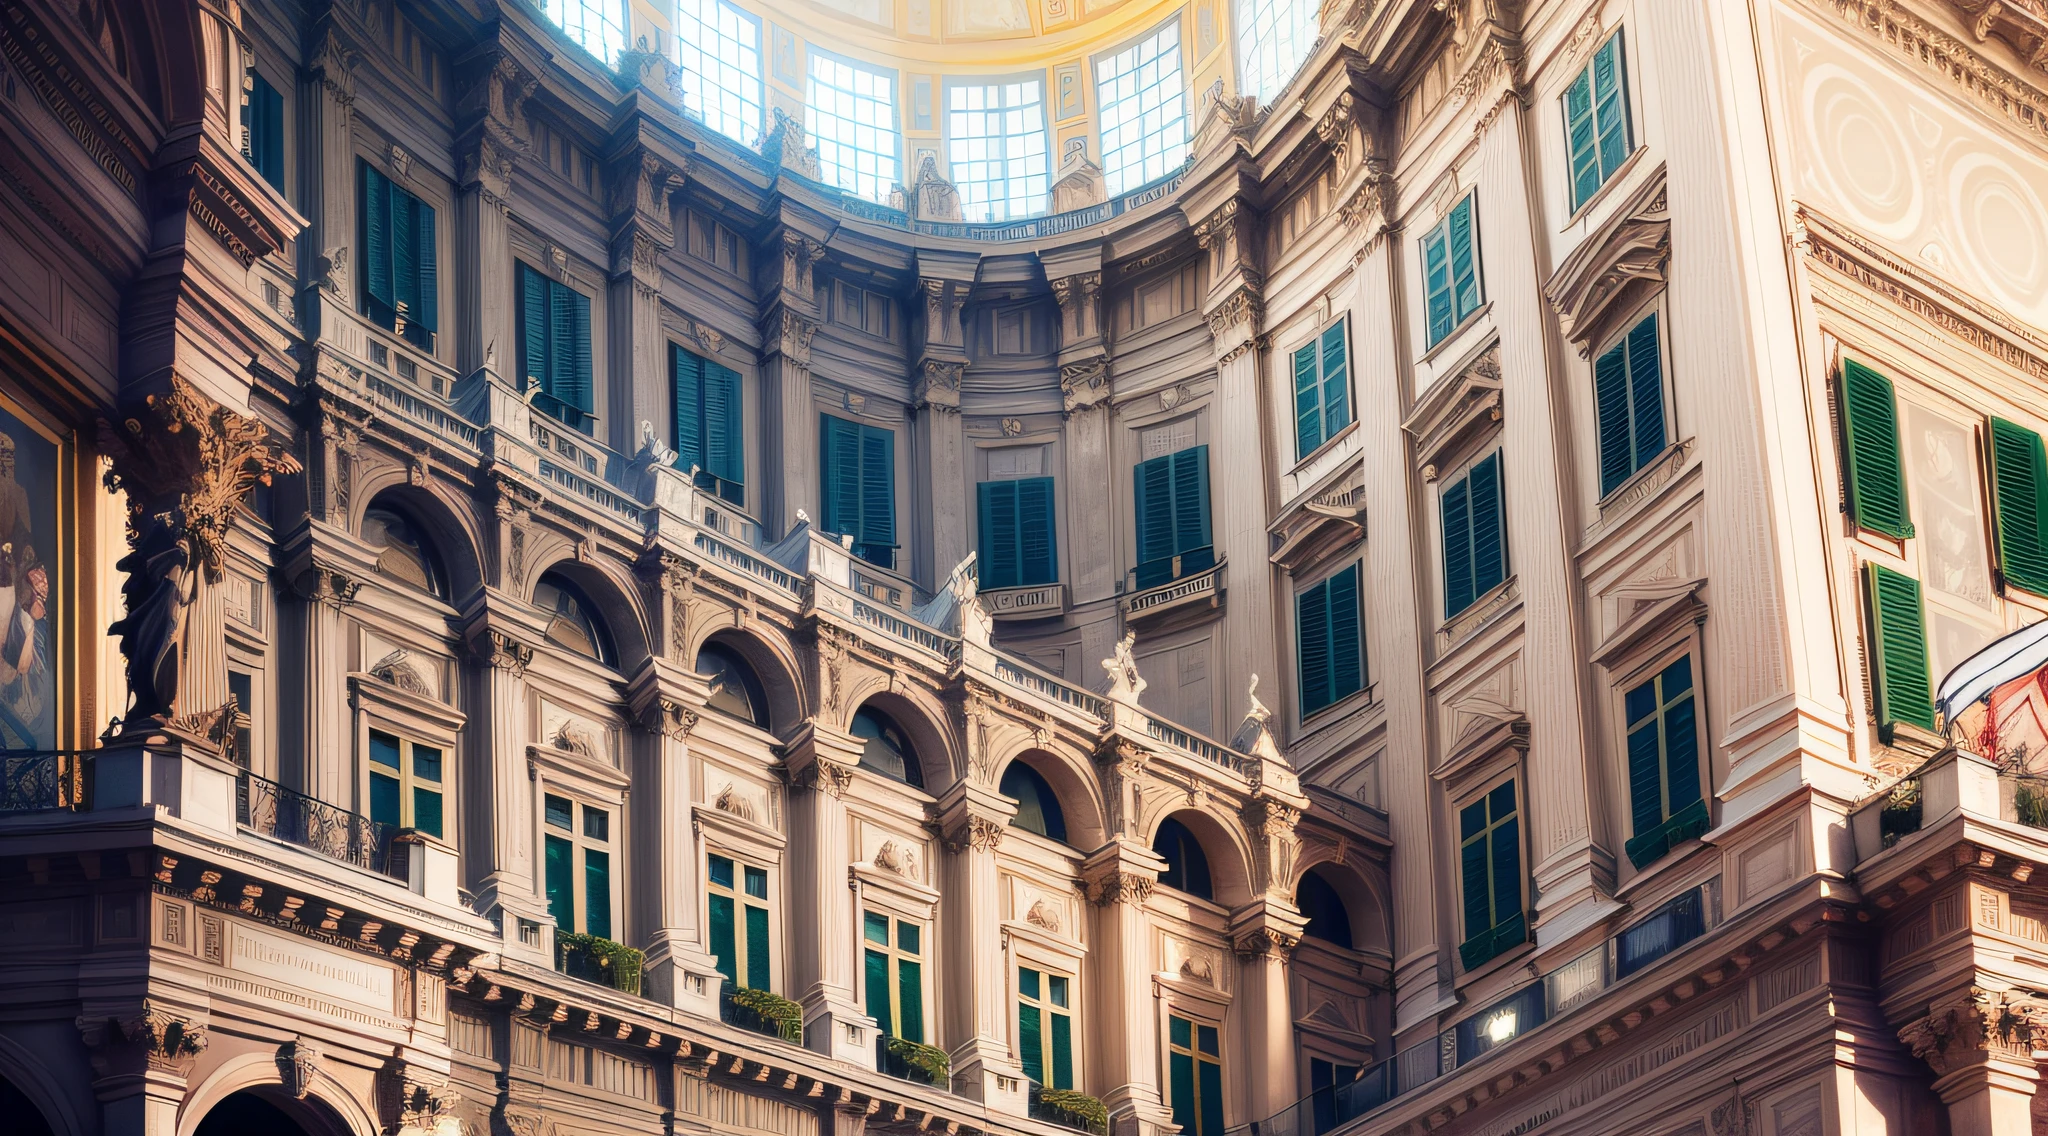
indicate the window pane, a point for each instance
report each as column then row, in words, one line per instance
column 720, row 871
column 1273, row 37
column 999, row 154
column 757, row 883
column 384, row 749
column 559, row 811
column 1057, row 991
column 757, row 948
column 598, row 26
column 1143, row 109
column 597, row 823
column 850, row 116
column 597, row 893
column 426, row 763
column 1027, row 982
column 561, row 875
column 719, row 48
column 908, row 936
column 384, row 799
column 722, row 938
column 877, row 928
column 426, row 811
column 910, row 996
column 1205, row 1039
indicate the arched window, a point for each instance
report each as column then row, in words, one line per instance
column 1038, row 810
column 734, row 689
column 402, row 553
column 886, row 749
column 1273, row 37
column 1187, row 868
column 575, row 626
column 1324, row 908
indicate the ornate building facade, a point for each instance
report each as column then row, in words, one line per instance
column 1257, row 569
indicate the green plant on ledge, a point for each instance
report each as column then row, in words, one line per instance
column 787, row 1016
column 933, row 1062
column 1079, row 1104
column 599, row 960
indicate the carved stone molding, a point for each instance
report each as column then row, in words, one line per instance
column 299, row 1066
column 1121, row 887
column 396, row 668
column 785, row 145
column 1243, row 308
column 938, row 386
column 494, row 107
column 669, row 718
column 500, row 651
column 1083, row 385
column 788, row 334
column 823, row 774
column 333, row 64
column 800, row 254
column 152, row 1037
column 1265, row 942
column 1628, row 258
column 412, row 1098
column 1080, row 301
column 1978, row 1026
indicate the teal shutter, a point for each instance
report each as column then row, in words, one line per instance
column 1456, row 510
column 1436, row 284
column 1877, row 477
column 1581, row 138
column 687, row 381
column 1464, row 265
column 758, row 973
column 839, row 446
column 1681, row 736
column 1473, row 869
column 1312, row 646
column 1062, row 1051
column 1645, row 757
column 376, row 227
column 1037, row 542
column 533, row 329
column 1154, row 489
column 1489, row 556
column 561, row 882
column 1899, row 672
column 1308, row 410
column 1506, row 853
column 878, row 495
column 1347, row 644
column 1610, row 392
column 405, row 279
column 878, row 992
column 910, row 995
column 1336, row 381
column 1646, row 389
column 1610, row 105
column 579, row 380
column 597, row 893
column 723, row 942
column 1191, row 530
column 1030, row 1045
column 724, row 441
column 1000, row 555
column 2019, row 492
column 426, row 309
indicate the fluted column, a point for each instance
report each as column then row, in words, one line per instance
column 327, row 175
column 501, row 813
column 972, row 820
column 643, row 229
column 327, row 751
column 822, row 962
column 791, row 449
column 143, row 1055
column 942, row 493
column 490, row 144
column 1981, row 1045
column 666, row 702
column 1121, row 1008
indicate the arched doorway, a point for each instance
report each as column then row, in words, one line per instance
column 23, row 1117
column 247, row 1114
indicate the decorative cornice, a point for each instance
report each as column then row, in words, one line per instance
column 1979, row 1026
column 1920, row 44
column 1629, row 254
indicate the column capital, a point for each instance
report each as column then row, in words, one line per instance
column 937, row 385
column 1122, row 871
column 144, row 1039
column 1084, row 384
column 1980, row 1035
column 788, row 333
column 1266, row 927
column 821, row 757
column 973, row 817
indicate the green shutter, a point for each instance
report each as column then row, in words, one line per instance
column 1308, row 410
column 1030, row 1045
column 724, row 946
column 1581, row 138
column 1062, row 1051
column 1646, row 389
column 1191, row 528
column 1312, row 645
column 376, row 227
column 1899, row 673
column 1472, row 864
column 1489, row 555
column 1000, row 556
column 405, row 279
column 1329, row 646
column 1610, row 393
column 878, row 494
column 533, row 329
column 1877, row 477
column 1610, row 105
column 1037, row 542
column 724, row 440
column 1455, row 508
column 426, row 312
column 878, row 991
column 1645, row 764
column 561, row 882
column 1154, row 494
column 910, row 995
column 1336, row 381
column 1464, row 264
column 1681, row 736
column 597, row 893
column 264, row 118
column 839, row 474
column 2019, row 494
column 579, row 376
column 687, row 383
column 1507, row 853
column 1347, row 643
column 1436, row 284
column 758, row 973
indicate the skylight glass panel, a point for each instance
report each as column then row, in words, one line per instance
column 850, row 115
column 1143, row 98
column 721, row 58
column 599, row 26
column 1273, row 37
column 997, row 148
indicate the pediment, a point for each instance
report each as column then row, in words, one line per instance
column 1617, row 265
column 1480, row 728
column 1644, row 609
column 1456, row 409
column 1329, row 516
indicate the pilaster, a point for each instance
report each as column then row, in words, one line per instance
column 972, row 820
column 819, row 767
column 666, row 703
column 789, row 320
column 493, row 138
column 326, row 249
column 1090, row 481
column 643, row 230
column 1981, row 1045
column 142, row 1057
column 1123, row 1011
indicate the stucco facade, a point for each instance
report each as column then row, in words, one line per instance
column 529, row 614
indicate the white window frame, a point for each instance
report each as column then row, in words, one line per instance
column 1005, row 175
column 834, row 106
column 1274, row 38
column 720, row 46
column 1129, row 90
column 583, row 21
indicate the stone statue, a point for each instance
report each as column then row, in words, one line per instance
column 1125, row 683
column 975, row 625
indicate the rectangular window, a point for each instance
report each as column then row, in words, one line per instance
column 895, row 975
column 720, row 48
column 1173, row 517
column 597, row 26
column 1141, row 98
column 850, row 115
column 1596, row 121
column 997, row 150
column 1876, row 474
column 578, row 854
column 1195, row 1076
column 1628, row 386
column 1045, row 1027
column 406, row 787
column 859, row 475
column 242, row 688
column 1475, row 536
column 554, row 348
column 1899, row 674
column 707, row 424
column 263, row 129
column 401, row 276
column 2019, row 496
column 1329, row 642
column 1450, row 272
column 1490, row 861
column 1017, row 542
column 1322, row 390
column 1273, row 37
column 738, row 899
column 1664, row 763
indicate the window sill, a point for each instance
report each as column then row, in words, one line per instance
column 1460, row 627
column 1348, row 429
column 1443, row 346
column 1584, row 209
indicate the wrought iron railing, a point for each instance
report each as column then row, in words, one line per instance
column 291, row 816
column 43, row 780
